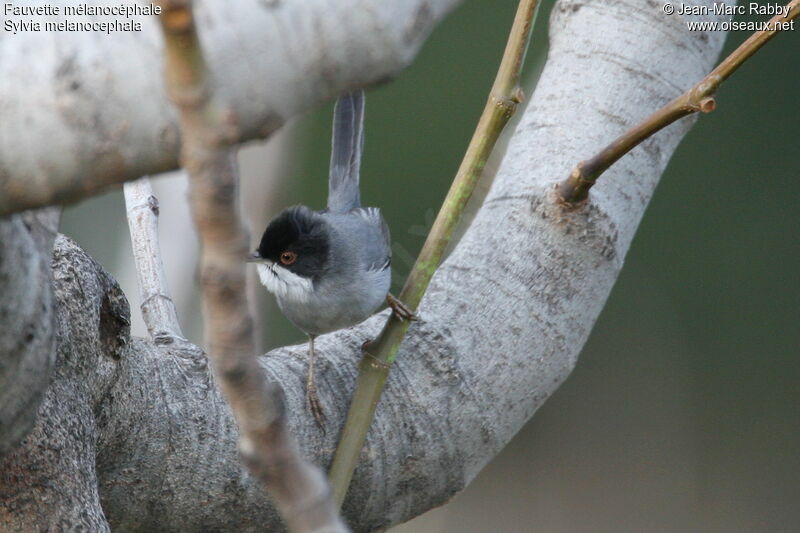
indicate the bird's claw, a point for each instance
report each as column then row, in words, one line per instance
column 400, row 309
column 315, row 407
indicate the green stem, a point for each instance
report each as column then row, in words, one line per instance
column 380, row 353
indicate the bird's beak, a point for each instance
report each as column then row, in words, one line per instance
column 254, row 258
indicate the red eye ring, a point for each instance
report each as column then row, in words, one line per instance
column 287, row 258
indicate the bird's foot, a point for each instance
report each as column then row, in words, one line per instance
column 315, row 406
column 311, row 387
column 400, row 309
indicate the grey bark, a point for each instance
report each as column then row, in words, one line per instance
column 49, row 483
column 157, row 307
column 283, row 57
column 27, row 323
column 501, row 326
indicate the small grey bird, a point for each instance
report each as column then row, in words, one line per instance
column 330, row 269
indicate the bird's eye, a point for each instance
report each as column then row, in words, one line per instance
column 287, row 258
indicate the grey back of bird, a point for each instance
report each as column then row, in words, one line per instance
column 362, row 230
column 347, row 146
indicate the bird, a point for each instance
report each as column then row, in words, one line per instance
column 331, row 269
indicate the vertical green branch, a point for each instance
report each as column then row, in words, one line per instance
column 380, row 353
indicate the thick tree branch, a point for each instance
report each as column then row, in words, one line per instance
column 699, row 98
column 283, row 58
column 27, row 332
column 299, row 489
column 49, row 482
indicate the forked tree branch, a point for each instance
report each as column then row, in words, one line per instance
column 158, row 309
column 298, row 488
column 575, row 189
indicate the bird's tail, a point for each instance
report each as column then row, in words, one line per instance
column 348, row 143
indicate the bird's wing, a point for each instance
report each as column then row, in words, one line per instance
column 347, row 145
column 377, row 250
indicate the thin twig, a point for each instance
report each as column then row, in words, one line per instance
column 271, row 453
column 380, row 353
column 575, row 189
column 158, row 309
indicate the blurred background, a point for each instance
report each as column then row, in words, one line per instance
column 683, row 413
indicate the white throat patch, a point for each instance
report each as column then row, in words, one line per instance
column 284, row 284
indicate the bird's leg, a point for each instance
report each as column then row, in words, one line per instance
column 311, row 386
column 399, row 308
